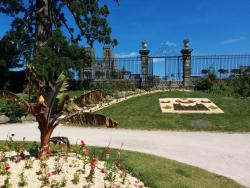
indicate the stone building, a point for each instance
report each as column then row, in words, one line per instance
column 101, row 68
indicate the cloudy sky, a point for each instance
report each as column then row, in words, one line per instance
column 213, row 26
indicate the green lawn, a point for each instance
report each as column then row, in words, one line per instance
column 157, row 172
column 144, row 113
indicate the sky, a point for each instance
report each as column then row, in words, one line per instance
column 213, row 26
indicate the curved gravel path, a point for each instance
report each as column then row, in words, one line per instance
column 226, row 154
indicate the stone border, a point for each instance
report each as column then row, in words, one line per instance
column 115, row 101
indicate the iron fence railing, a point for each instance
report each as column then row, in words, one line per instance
column 166, row 69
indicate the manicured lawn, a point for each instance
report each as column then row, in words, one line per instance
column 157, row 172
column 144, row 113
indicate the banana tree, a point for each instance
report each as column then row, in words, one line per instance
column 49, row 108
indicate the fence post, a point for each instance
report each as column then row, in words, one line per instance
column 144, row 63
column 186, row 56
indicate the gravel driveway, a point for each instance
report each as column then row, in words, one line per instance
column 226, row 154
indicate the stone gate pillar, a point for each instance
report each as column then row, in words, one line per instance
column 186, row 56
column 144, row 63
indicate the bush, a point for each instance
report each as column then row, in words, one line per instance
column 203, row 84
column 244, row 86
column 14, row 112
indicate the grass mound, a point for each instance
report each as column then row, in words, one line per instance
column 144, row 113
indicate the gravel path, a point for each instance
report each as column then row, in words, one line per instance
column 222, row 153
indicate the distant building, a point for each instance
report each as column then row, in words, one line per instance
column 102, row 68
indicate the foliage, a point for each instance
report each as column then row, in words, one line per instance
column 203, row 84
column 36, row 33
column 223, row 71
column 227, row 87
column 14, row 112
column 243, row 86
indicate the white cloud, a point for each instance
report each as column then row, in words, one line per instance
column 124, row 55
column 168, row 43
column 232, row 41
column 157, row 60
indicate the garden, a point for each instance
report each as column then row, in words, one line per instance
column 51, row 77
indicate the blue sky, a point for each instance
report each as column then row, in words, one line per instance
column 213, row 26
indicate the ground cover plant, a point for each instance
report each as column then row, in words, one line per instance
column 144, row 113
column 154, row 171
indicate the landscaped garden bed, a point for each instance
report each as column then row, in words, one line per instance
column 83, row 168
column 188, row 105
column 64, row 170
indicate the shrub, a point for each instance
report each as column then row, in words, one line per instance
column 14, row 112
column 203, row 84
column 244, row 86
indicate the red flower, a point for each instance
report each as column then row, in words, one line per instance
column 106, row 150
column 7, row 167
column 50, row 174
column 93, row 160
column 48, row 152
column 92, row 167
column 103, row 170
column 82, row 143
column 19, row 148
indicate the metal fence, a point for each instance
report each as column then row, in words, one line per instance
column 171, row 67
column 166, row 69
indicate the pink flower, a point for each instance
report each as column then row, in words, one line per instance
column 136, row 182
column 87, row 152
column 50, row 174
column 117, row 171
column 18, row 158
column 83, row 171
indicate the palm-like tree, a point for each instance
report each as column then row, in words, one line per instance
column 49, row 110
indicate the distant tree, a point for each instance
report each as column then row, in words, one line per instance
column 9, row 58
column 235, row 71
column 204, row 71
column 223, row 71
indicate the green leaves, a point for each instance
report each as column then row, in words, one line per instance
column 11, row 97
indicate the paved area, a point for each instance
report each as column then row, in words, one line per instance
column 222, row 153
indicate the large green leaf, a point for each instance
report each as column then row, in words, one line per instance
column 57, row 94
column 88, row 118
column 11, row 97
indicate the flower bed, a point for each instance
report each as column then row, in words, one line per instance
column 81, row 169
column 189, row 105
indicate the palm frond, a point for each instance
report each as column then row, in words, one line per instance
column 87, row 118
column 58, row 95
column 93, row 97
column 11, row 97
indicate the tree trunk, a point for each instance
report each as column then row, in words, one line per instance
column 43, row 22
column 45, row 137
